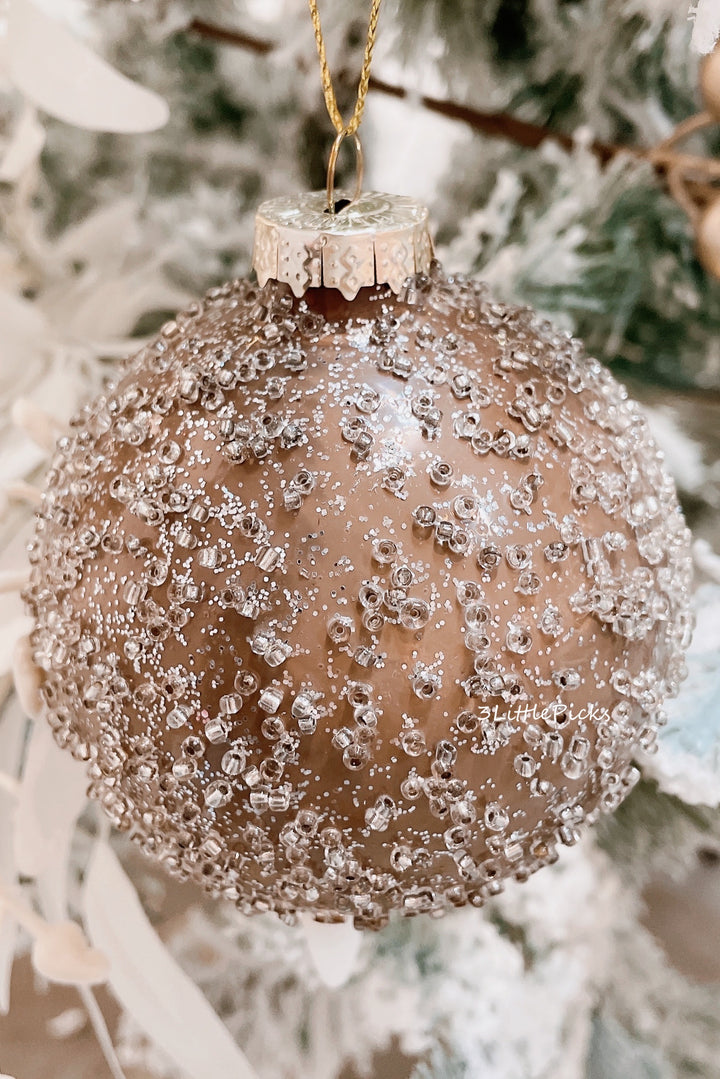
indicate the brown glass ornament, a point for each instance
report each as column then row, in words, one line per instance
column 356, row 606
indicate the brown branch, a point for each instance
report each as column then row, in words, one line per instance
column 502, row 125
column 231, row 37
column 493, row 124
column 699, row 173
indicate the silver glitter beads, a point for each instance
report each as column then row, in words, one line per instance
column 375, row 598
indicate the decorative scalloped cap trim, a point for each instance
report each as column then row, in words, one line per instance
column 379, row 239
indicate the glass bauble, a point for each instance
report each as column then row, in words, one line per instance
column 356, row 606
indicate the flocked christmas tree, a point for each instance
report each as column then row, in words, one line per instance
column 534, row 132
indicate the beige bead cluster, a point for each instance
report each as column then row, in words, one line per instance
column 358, row 606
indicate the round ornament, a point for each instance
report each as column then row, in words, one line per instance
column 710, row 82
column 707, row 233
column 358, row 590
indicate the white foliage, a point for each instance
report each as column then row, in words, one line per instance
column 49, row 361
column 648, row 995
column 61, row 75
column 706, row 560
column 11, row 630
column 21, row 149
column 683, row 455
column 67, row 1023
column 258, row 971
column 14, row 621
column 535, row 1022
column 333, row 949
column 60, row 951
column 21, row 491
column 13, row 580
column 62, row 954
column 27, row 678
column 52, row 796
column 41, row 427
column 679, row 772
column 687, row 761
column 515, row 984
column 149, row 983
column 100, row 1028
column 546, row 254
column 24, row 327
column 707, row 25
column 8, row 944
column 121, row 282
column 13, row 726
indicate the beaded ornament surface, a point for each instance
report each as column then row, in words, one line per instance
column 359, row 607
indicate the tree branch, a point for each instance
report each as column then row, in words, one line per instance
column 230, row 37
column 493, row 124
column 501, row 124
column 699, row 175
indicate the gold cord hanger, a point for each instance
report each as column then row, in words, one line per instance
column 351, row 128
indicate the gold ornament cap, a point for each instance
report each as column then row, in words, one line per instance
column 375, row 240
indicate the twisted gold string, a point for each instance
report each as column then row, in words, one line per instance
column 330, row 100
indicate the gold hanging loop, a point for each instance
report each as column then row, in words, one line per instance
column 332, row 165
column 351, row 128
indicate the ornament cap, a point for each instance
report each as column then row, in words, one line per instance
column 377, row 239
